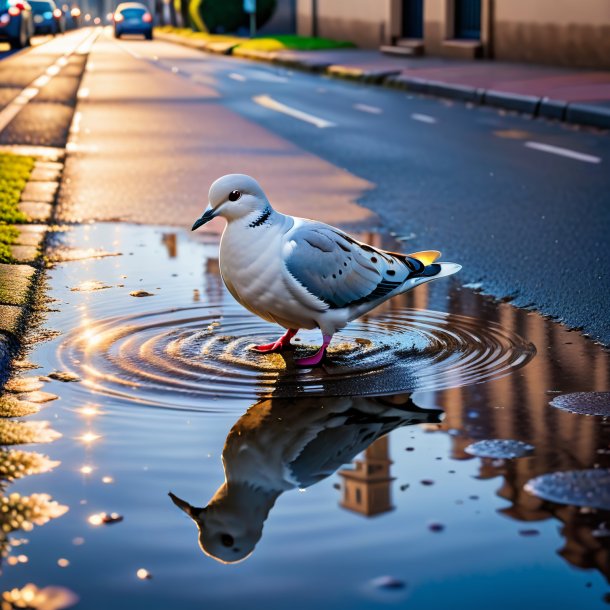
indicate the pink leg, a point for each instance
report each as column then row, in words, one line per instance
column 318, row 356
column 281, row 344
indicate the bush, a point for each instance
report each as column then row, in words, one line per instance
column 229, row 16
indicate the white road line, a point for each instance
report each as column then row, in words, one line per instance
column 10, row 111
column 423, row 118
column 237, row 77
column 563, row 152
column 265, row 76
column 268, row 102
column 41, row 81
column 367, row 108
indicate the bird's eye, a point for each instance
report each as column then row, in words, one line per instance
column 227, row 539
column 234, row 195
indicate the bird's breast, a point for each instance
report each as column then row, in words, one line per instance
column 251, row 265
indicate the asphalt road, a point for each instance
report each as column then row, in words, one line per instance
column 523, row 205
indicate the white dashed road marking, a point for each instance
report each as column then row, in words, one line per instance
column 423, row 118
column 271, row 104
column 367, row 108
column 563, row 152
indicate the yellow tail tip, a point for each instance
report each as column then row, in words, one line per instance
column 427, row 257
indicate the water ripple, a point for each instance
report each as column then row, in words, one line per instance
column 175, row 357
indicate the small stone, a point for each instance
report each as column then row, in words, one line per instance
column 427, row 482
column 64, row 376
column 141, row 293
column 529, row 532
column 436, row 527
column 388, row 582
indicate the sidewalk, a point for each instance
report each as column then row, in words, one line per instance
column 574, row 95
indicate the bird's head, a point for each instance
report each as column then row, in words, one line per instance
column 231, row 524
column 233, row 196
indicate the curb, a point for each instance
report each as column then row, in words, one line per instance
column 576, row 113
column 19, row 280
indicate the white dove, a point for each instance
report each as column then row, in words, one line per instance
column 301, row 273
column 281, row 444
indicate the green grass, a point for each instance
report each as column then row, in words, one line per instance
column 265, row 43
column 295, row 43
column 188, row 33
column 14, row 173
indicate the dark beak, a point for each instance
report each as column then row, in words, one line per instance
column 207, row 216
column 192, row 511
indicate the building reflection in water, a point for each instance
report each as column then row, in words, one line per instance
column 517, row 407
column 170, row 241
column 367, row 488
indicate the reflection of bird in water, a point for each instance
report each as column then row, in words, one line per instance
column 304, row 274
column 282, row 444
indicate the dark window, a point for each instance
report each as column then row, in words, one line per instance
column 132, row 13
column 468, row 19
column 412, row 18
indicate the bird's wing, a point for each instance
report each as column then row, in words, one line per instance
column 340, row 271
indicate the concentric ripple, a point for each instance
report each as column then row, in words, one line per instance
column 179, row 357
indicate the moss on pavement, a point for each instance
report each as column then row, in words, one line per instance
column 14, row 173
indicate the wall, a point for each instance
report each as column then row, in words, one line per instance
column 283, row 20
column 563, row 32
column 364, row 22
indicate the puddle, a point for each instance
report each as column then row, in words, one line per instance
column 184, row 355
column 499, row 449
column 584, row 403
column 589, row 488
column 362, row 469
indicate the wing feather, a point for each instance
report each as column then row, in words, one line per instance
column 340, row 271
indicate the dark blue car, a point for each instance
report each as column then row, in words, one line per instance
column 47, row 17
column 133, row 18
column 16, row 25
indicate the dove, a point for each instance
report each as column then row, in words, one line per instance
column 283, row 444
column 304, row 274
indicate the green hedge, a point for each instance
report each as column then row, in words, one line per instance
column 228, row 15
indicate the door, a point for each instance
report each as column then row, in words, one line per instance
column 412, row 18
column 468, row 19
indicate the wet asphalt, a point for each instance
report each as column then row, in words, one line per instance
column 160, row 122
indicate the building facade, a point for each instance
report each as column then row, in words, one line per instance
column 562, row 32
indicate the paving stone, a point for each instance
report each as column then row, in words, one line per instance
column 9, row 319
column 31, row 235
column 36, row 211
column 44, row 175
column 15, row 283
column 24, row 254
column 55, row 165
column 40, row 191
column 45, row 152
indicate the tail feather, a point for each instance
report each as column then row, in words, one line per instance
column 427, row 257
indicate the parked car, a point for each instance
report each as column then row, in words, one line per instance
column 47, row 17
column 133, row 18
column 16, row 23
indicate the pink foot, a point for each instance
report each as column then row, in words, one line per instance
column 277, row 346
column 317, row 357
